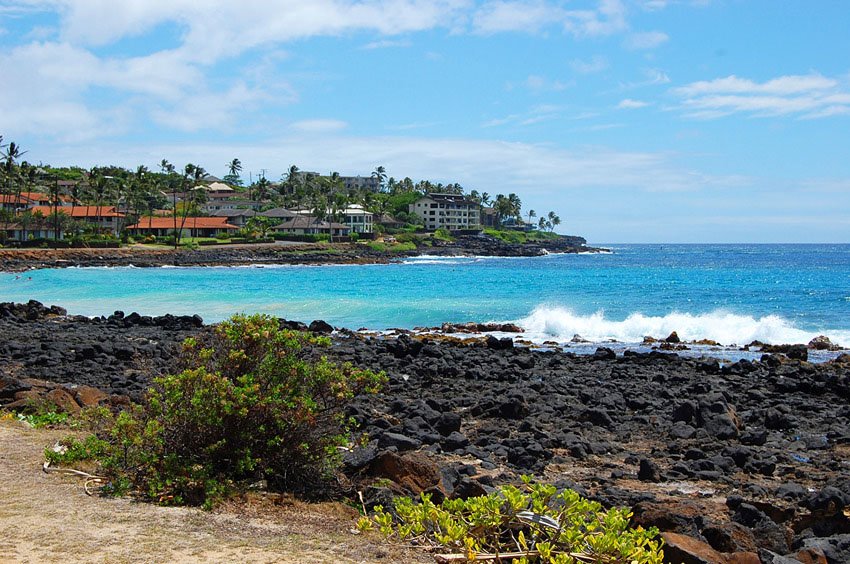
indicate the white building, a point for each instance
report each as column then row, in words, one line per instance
column 355, row 216
column 447, row 211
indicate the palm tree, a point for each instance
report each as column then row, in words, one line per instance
column 195, row 194
column 292, row 180
column 10, row 155
column 381, row 174
column 552, row 220
column 516, row 206
column 485, row 199
column 235, row 167
column 261, row 188
column 531, row 214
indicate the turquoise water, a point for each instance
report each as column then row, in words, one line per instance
column 728, row 293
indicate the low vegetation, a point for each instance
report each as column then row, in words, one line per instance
column 534, row 523
column 391, row 247
column 248, row 407
column 520, row 237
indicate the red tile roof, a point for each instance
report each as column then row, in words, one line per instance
column 80, row 211
column 191, row 223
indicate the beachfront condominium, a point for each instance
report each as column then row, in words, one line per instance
column 447, row 211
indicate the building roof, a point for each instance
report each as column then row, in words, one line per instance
column 13, row 199
column 451, row 198
column 233, row 213
column 278, row 213
column 80, row 211
column 218, row 187
column 308, row 222
column 191, row 223
column 41, row 196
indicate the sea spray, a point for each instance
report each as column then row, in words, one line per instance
column 560, row 324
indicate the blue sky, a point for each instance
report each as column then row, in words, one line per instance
column 634, row 120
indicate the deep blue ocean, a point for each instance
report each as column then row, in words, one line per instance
column 732, row 294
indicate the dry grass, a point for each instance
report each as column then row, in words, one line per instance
column 49, row 518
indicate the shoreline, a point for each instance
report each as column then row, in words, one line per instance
column 21, row 260
column 746, row 456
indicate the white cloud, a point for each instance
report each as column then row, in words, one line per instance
column 537, row 114
column 646, row 40
column 607, row 18
column 319, row 125
column 629, row 104
column 514, row 15
column 807, row 96
column 595, row 64
column 386, row 44
column 537, row 83
column 537, row 168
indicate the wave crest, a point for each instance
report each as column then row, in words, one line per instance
column 560, row 324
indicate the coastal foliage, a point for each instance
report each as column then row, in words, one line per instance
column 248, row 406
column 534, row 522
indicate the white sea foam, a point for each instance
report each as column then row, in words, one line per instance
column 560, row 324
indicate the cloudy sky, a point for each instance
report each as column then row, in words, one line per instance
column 635, row 120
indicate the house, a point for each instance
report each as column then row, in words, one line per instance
column 447, row 211
column 219, row 205
column 218, row 191
column 235, row 217
column 355, row 216
column 191, row 227
column 42, row 199
column 106, row 218
column 13, row 203
column 19, row 232
column 278, row 213
column 389, row 222
column 358, row 219
column 489, row 217
column 308, row 225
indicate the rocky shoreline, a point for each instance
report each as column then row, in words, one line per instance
column 741, row 462
column 19, row 260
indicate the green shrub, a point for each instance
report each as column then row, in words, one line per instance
column 72, row 450
column 538, row 522
column 391, row 247
column 443, row 234
column 247, row 407
column 513, row 237
column 47, row 418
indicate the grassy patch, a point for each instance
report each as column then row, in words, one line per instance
column 391, row 247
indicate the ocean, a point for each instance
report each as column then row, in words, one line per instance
column 732, row 294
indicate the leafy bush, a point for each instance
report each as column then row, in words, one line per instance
column 248, row 406
column 512, row 237
column 443, row 234
column 72, row 450
column 391, row 247
column 41, row 418
column 536, row 522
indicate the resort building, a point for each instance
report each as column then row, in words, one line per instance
column 447, row 211
column 309, row 225
column 191, row 227
column 21, row 232
column 355, row 216
column 278, row 213
column 238, row 218
column 219, row 205
column 219, row 191
column 106, row 218
column 358, row 219
column 25, row 200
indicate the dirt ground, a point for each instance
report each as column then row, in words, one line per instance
column 49, row 518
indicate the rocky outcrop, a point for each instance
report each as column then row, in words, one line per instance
column 744, row 457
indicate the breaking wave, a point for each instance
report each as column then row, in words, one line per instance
column 560, row 324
